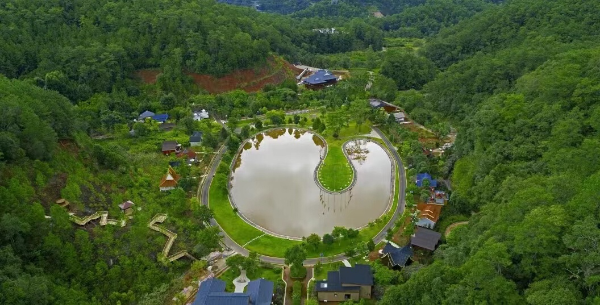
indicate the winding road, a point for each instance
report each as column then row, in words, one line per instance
column 230, row 243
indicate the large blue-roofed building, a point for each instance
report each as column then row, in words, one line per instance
column 320, row 79
column 212, row 292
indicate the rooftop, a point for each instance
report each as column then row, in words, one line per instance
column 430, row 211
column 196, row 136
column 320, row 77
column 163, row 117
column 169, row 145
column 423, row 176
column 146, row 114
column 359, row 275
column 126, row 205
column 212, row 292
column 425, row 238
column 398, row 256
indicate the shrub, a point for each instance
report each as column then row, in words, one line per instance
column 297, row 293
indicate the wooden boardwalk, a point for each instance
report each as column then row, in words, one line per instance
column 104, row 220
column 171, row 236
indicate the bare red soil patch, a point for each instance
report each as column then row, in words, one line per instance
column 274, row 72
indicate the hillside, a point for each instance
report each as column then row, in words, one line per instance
column 515, row 83
column 275, row 72
column 520, row 83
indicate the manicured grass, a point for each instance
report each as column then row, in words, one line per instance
column 321, row 274
column 240, row 231
column 271, row 274
column 271, row 245
column 335, row 174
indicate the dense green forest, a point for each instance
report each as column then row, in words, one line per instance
column 519, row 81
column 86, row 47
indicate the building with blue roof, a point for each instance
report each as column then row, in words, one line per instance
column 145, row 114
column 320, row 79
column 396, row 257
column 161, row 118
column 260, row 291
column 423, row 176
column 212, row 292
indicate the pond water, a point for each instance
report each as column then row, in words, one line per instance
column 272, row 184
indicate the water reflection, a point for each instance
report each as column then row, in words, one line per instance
column 357, row 150
column 274, row 186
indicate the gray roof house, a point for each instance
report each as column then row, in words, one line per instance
column 196, row 138
column 396, row 257
column 349, row 283
column 399, row 116
column 145, row 114
column 425, row 239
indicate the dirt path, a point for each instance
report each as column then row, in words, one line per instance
column 454, row 225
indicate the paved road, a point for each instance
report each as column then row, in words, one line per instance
column 311, row 261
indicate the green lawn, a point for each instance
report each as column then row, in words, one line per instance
column 271, row 274
column 240, row 231
column 335, row 174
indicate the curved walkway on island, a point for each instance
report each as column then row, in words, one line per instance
column 230, row 243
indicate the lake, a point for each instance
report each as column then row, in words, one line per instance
column 273, row 184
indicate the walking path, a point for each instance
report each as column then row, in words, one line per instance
column 160, row 218
column 453, row 226
column 230, row 243
column 103, row 215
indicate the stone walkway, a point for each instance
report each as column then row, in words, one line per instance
column 241, row 282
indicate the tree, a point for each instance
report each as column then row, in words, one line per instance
column 313, row 241
column 371, row 245
column 409, row 71
column 295, row 256
column 352, row 233
column 339, row 232
column 296, row 119
column 201, row 212
column 245, row 133
column 276, row 117
column 223, row 134
column 233, row 143
column 210, row 140
column 250, row 263
column 336, row 120
column 359, row 111
column 328, row 239
column 258, row 124
column 316, row 124
column 297, row 293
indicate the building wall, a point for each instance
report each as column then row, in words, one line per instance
column 195, row 143
column 331, row 296
column 365, row 292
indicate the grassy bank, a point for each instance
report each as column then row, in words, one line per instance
column 240, row 231
column 335, row 174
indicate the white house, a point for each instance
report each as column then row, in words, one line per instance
column 198, row 116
